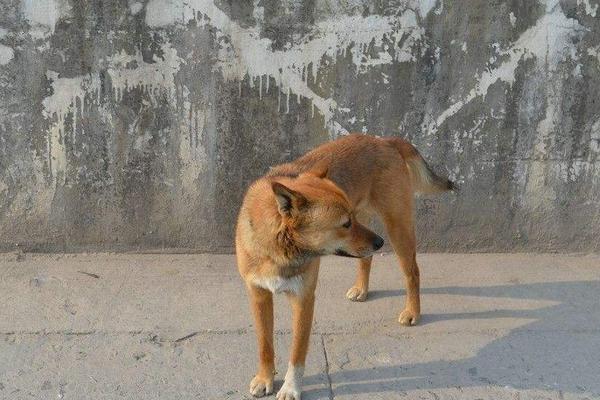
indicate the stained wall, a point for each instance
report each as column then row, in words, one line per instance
column 131, row 125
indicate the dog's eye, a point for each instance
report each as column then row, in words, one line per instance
column 347, row 224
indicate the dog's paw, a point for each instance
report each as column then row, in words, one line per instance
column 356, row 293
column 261, row 386
column 408, row 318
column 289, row 391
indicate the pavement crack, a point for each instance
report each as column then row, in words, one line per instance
column 327, row 368
column 186, row 337
column 90, row 274
column 167, row 336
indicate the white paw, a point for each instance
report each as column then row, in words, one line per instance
column 292, row 385
column 289, row 391
column 261, row 386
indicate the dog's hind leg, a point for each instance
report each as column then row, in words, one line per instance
column 261, row 301
column 360, row 289
column 402, row 237
column 394, row 204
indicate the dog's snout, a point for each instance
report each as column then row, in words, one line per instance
column 378, row 243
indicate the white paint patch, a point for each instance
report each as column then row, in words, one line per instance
column 589, row 8
column 191, row 151
column 66, row 91
column 6, row 54
column 546, row 126
column 550, row 4
column 157, row 77
column 251, row 55
column 425, row 6
column 57, row 154
column 440, row 9
column 277, row 284
column 258, row 12
column 595, row 138
column 594, row 52
column 576, row 169
column 163, row 12
column 42, row 12
column 494, row 56
column 135, row 7
column 43, row 15
column 577, row 71
column 549, row 41
column 383, row 57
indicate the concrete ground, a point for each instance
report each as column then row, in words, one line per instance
column 106, row 326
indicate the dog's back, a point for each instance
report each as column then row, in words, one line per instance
column 358, row 164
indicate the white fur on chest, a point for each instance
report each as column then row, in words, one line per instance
column 277, row 284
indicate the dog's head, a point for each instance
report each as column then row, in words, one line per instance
column 317, row 216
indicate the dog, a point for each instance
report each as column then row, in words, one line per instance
column 321, row 204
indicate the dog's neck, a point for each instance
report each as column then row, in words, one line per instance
column 292, row 255
column 286, row 253
column 282, row 251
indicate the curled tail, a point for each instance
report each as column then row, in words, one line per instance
column 423, row 178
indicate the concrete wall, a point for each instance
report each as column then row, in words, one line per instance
column 131, row 124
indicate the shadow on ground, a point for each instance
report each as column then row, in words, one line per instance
column 559, row 352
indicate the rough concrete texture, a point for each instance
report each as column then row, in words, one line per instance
column 178, row 327
column 139, row 124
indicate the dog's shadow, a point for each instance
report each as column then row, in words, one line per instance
column 559, row 351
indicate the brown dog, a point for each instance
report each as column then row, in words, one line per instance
column 318, row 205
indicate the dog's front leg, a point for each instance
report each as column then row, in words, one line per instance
column 302, row 315
column 262, row 307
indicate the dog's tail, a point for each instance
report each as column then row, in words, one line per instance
column 423, row 178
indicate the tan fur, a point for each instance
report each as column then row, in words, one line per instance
column 300, row 211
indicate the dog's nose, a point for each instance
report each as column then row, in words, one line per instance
column 378, row 242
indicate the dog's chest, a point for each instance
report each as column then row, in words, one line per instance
column 277, row 284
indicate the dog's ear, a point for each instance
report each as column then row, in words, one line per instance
column 288, row 200
column 320, row 170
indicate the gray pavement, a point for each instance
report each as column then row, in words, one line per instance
column 152, row 326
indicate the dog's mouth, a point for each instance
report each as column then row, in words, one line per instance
column 340, row 252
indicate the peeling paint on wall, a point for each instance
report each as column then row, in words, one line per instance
column 590, row 9
column 139, row 123
column 549, row 42
column 43, row 15
column 249, row 54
